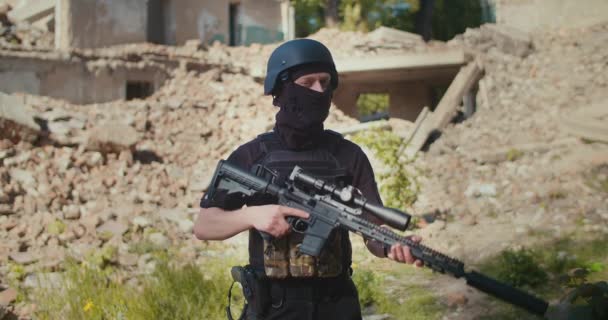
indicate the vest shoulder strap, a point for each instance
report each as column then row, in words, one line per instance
column 269, row 141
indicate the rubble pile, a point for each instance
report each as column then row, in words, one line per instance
column 511, row 170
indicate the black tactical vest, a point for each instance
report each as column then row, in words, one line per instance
column 280, row 258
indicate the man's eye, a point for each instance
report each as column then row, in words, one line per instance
column 305, row 83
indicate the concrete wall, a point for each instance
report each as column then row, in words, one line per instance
column 529, row 15
column 73, row 82
column 206, row 20
column 209, row 20
column 99, row 23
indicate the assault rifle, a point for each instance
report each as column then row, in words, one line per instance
column 333, row 207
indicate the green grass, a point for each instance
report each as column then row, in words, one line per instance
column 101, row 291
column 548, row 271
column 514, row 154
column 406, row 301
column 171, row 292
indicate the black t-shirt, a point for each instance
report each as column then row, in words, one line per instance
column 348, row 154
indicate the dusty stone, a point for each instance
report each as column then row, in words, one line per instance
column 16, row 119
column 114, row 228
column 185, row 225
column 469, row 220
column 128, row 259
column 142, row 222
column 111, row 137
column 25, row 178
column 5, row 209
column 6, row 153
column 159, row 239
column 7, row 297
column 71, row 212
column 49, row 280
column 24, row 258
column 456, row 299
column 174, row 214
column 480, row 190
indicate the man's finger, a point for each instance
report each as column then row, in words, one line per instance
column 287, row 211
column 397, row 253
column 408, row 255
column 416, row 238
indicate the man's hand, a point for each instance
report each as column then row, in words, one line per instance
column 401, row 253
column 271, row 218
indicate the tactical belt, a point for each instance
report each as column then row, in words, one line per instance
column 310, row 289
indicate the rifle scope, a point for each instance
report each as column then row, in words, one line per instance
column 393, row 217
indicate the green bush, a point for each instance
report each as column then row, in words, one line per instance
column 520, row 268
column 371, row 103
column 399, row 186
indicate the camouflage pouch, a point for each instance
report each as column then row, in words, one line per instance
column 300, row 265
column 282, row 258
column 276, row 260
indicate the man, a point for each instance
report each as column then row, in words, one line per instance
column 301, row 77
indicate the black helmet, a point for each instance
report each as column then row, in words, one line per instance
column 295, row 53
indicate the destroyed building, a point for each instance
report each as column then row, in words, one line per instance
column 109, row 147
column 86, row 77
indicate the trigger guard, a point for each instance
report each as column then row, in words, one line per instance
column 298, row 225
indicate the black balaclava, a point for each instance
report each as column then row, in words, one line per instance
column 299, row 121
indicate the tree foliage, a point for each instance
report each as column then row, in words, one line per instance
column 448, row 19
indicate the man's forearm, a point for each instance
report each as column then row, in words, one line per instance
column 218, row 224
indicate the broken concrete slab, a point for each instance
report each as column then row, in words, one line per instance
column 401, row 67
column 511, row 152
column 419, row 120
column 372, row 125
column 17, row 121
column 14, row 108
column 589, row 123
column 24, row 258
column 387, row 34
column 465, row 80
column 420, row 133
column 32, row 11
column 510, row 40
column 46, row 23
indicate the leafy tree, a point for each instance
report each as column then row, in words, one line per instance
column 309, row 16
column 437, row 19
column 454, row 17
